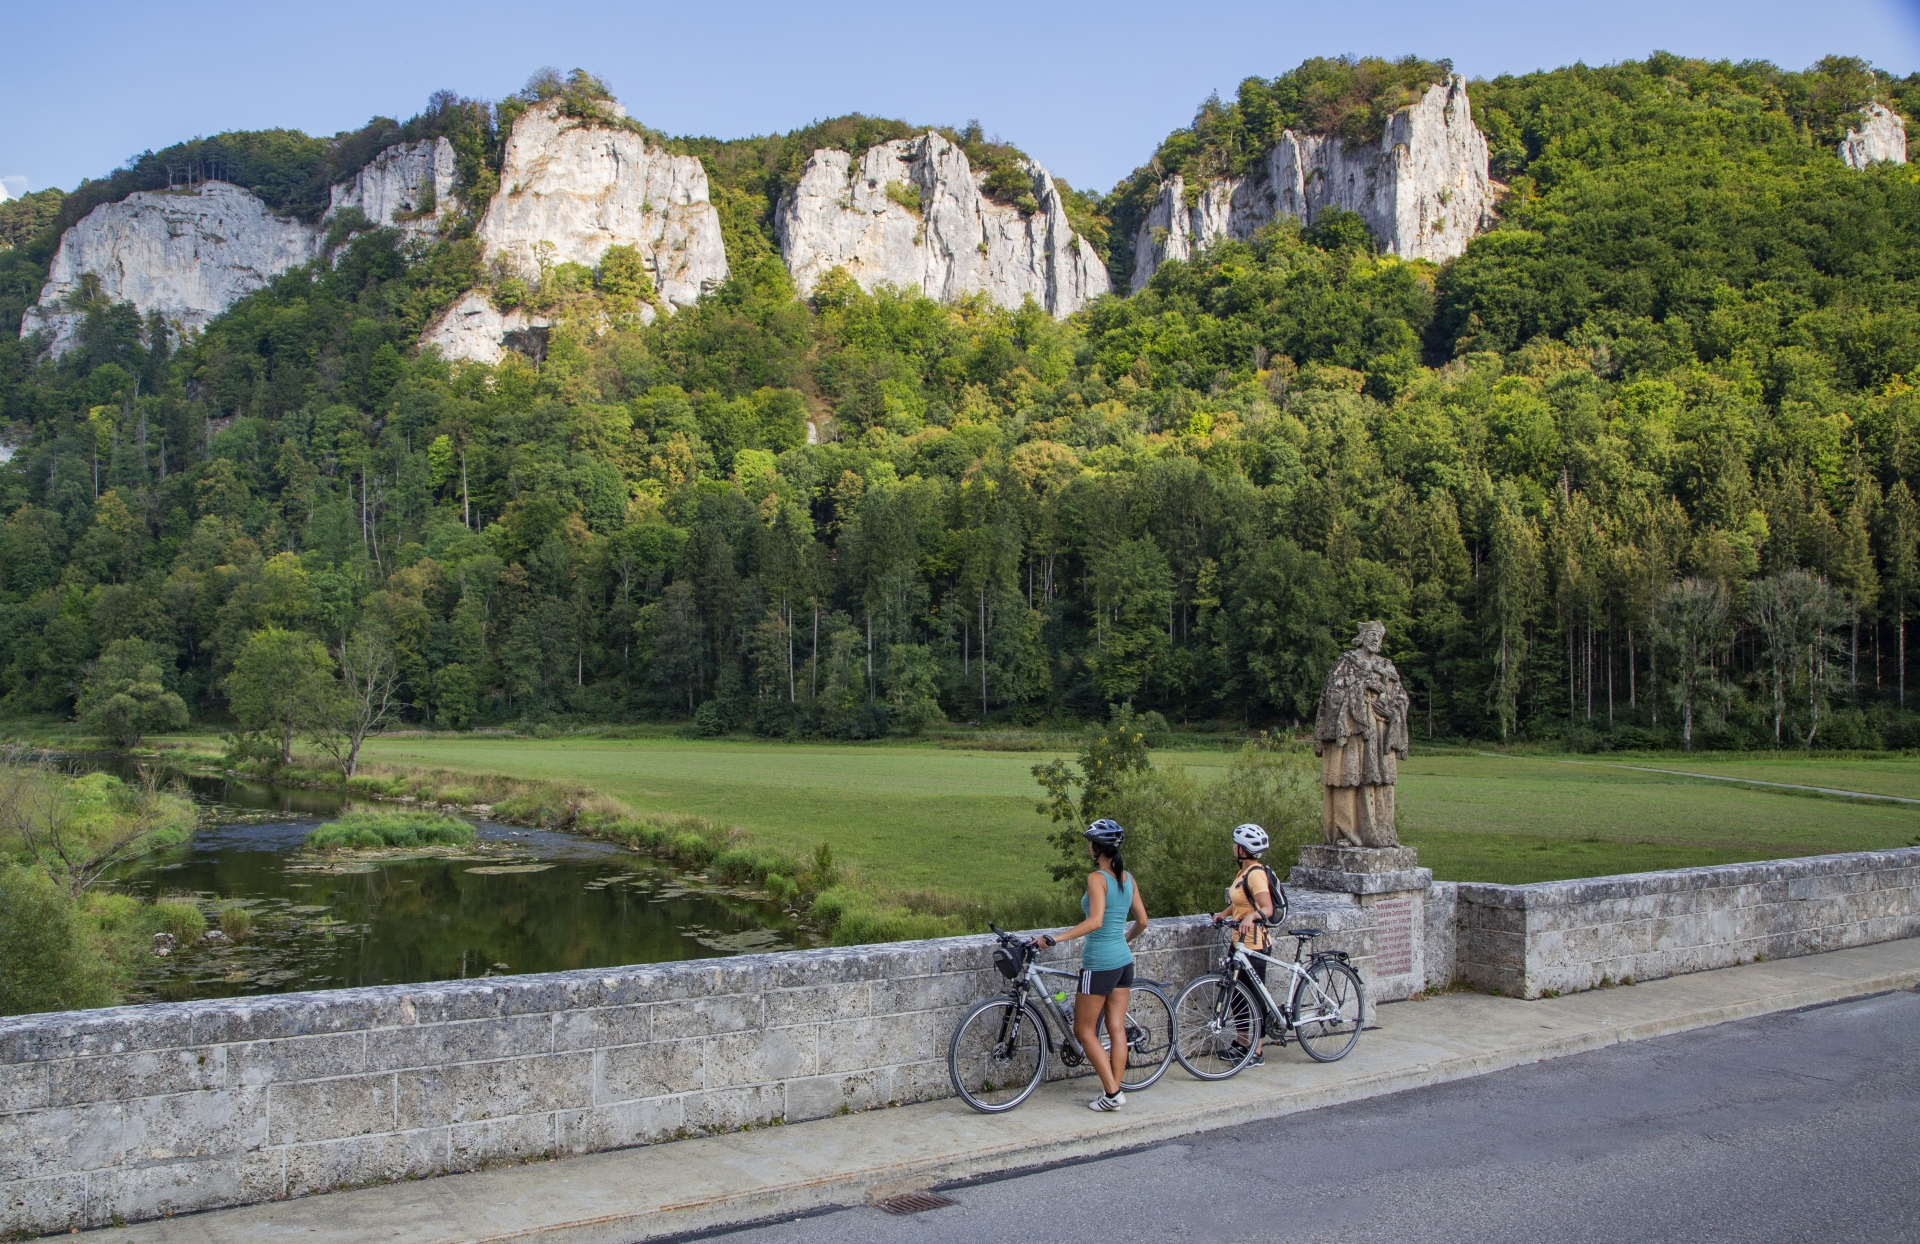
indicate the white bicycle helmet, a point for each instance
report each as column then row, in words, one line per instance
column 1253, row 838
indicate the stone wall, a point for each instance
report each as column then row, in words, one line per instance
column 1563, row 936
column 147, row 1110
column 135, row 1112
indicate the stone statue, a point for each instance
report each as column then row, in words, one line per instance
column 1360, row 737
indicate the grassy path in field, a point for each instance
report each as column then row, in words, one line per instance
column 1723, row 777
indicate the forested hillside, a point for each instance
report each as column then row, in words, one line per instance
column 1636, row 469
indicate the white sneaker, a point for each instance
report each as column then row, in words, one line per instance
column 1103, row 1102
column 1120, row 1098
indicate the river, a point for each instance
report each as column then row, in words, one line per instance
column 519, row 900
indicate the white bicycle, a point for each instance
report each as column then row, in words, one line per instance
column 1220, row 1018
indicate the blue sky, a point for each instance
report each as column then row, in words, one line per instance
column 1087, row 89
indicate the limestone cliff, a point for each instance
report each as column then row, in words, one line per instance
column 1882, row 137
column 408, row 186
column 913, row 214
column 188, row 254
column 1423, row 189
column 571, row 188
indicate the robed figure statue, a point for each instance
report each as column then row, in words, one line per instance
column 1360, row 737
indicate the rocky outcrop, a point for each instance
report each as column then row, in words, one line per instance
column 1423, row 189
column 913, row 214
column 1882, row 137
column 409, row 186
column 571, row 188
column 188, row 254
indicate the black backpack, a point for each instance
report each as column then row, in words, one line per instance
column 1275, row 889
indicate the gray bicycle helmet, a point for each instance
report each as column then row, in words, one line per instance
column 1104, row 832
column 1253, row 838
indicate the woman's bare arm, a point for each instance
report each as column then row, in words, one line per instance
column 1096, row 911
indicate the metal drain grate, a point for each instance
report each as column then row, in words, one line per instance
column 914, row 1202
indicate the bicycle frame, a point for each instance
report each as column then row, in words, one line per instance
column 1240, row 964
column 1028, row 983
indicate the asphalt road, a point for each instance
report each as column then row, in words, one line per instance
column 1799, row 1126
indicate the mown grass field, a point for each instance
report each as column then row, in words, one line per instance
column 916, row 817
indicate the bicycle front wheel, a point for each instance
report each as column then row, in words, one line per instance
column 1328, row 1011
column 997, row 1055
column 1216, row 1027
column 1149, row 1037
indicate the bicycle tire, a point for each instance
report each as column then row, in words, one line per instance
column 989, row 1079
column 1212, row 1017
column 1149, row 1037
column 1334, row 1004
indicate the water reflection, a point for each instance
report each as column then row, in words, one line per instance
column 518, row 901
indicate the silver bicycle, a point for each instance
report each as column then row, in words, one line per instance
column 1219, row 1018
column 1000, row 1047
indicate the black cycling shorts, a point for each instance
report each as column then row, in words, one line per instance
column 1099, row 984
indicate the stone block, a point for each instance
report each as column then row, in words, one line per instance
column 158, row 1189
column 600, row 1027
column 61, row 1140
column 704, row 1017
column 120, row 1077
column 724, row 1110
column 620, row 1125
column 816, row 1097
column 315, row 1110
column 347, row 1163
column 228, row 1021
column 818, row 1004
column 760, row 1057
column 470, row 1092
column 297, row 1058
column 659, row 1069
column 471, row 1146
column 42, row 1206
column 435, row 1045
column 926, row 993
column 857, row 1045
column 1360, row 859
column 90, row 1034
column 195, row 1125
column 25, row 1086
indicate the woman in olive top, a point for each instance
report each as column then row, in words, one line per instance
column 1106, row 965
column 1249, row 908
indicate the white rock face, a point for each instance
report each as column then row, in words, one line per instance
column 398, row 185
column 1423, row 190
column 188, row 254
column 580, row 188
column 958, row 242
column 1882, row 136
column 585, row 187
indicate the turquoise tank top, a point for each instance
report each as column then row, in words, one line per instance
column 1107, row 947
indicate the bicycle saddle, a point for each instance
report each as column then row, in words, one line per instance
column 1305, row 934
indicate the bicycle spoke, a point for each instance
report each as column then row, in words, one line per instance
column 997, row 1055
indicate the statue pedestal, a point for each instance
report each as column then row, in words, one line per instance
column 1390, row 886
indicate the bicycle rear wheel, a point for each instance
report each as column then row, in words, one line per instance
column 1149, row 1036
column 1216, row 1027
column 997, row 1055
column 1329, row 1010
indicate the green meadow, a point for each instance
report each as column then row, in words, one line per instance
column 962, row 822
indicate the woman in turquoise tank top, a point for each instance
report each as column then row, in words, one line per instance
column 1106, row 965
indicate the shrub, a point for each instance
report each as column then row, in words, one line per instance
column 368, row 828
column 236, row 920
column 180, row 916
column 710, row 720
column 1178, row 842
column 43, row 968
